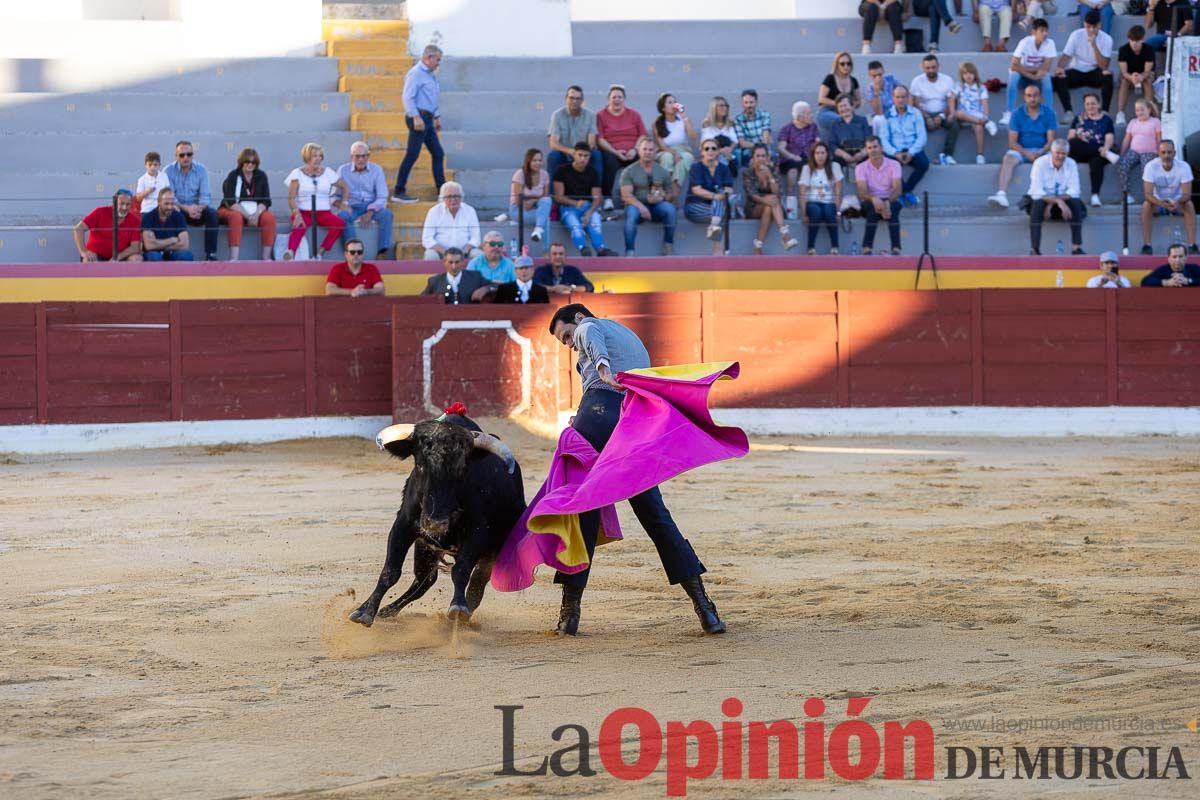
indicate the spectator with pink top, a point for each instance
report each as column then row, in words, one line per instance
column 531, row 188
column 1140, row 146
column 879, row 189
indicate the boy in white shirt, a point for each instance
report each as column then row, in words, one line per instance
column 1085, row 61
column 149, row 185
column 1032, row 62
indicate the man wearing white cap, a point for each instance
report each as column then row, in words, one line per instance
column 1110, row 276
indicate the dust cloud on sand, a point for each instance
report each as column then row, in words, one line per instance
column 174, row 623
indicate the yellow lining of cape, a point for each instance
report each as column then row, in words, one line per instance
column 684, row 372
column 567, row 528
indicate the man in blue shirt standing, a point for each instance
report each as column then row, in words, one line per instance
column 368, row 198
column 423, row 121
column 193, row 195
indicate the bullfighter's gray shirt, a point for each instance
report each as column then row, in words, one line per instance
column 602, row 341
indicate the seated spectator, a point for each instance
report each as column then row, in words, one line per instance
column 531, row 188
column 763, row 190
column 522, row 289
column 837, row 83
column 1140, row 146
column 493, row 265
column 821, row 196
column 164, row 231
column 571, row 124
column 933, row 95
column 795, row 141
column 149, row 185
column 1104, row 13
column 649, row 195
column 892, row 11
column 848, row 135
column 1084, row 62
column 98, row 224
column 1136, row 62
column 718, row 126
column 904, row 139
column 878, row 183
column 1170, row 18
column 1054, row 192
column 577, row 192
column 1167, row 184
column 451, row 223
column 753, row 127
column 1002, row 10
column 1030, row 132
column 971, row 101
column 560, row 277
column 878, row 94
column 674, row 134
column 354, row 277
column 311, row 186
column 193, row 194
column 1110, row 276
column 619, row 129
column 457, row 285
column 709, row 185
column 939, row 15
column 246, row 200
column 368, row 198
column 1033, row 10
column 1177, row 272
column 1031, row 64
column 1091, row 140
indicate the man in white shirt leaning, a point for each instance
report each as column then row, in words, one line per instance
column 451, row 223
column 1054, row 192
column 1167, row 186
column 1085, row 61
column 933, row 95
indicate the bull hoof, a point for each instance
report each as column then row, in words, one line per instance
column 362, row 616
column 459, row 613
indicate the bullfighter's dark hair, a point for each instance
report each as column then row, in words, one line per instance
column 567, row 313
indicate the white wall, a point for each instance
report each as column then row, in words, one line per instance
column 599, row 10
column 491, row 27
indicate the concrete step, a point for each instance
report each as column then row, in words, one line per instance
column 92, row 73
column 341, row 30
column 373, row 10
column 368, row 48
column 391, row 101
column 372, row 65
column 411, row 212
column 371, row 83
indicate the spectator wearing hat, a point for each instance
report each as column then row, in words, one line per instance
column 524, row 289
column 1110, row 276
column 1177, row 272
column 98, row 225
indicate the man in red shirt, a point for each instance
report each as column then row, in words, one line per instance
column 98, row 225
column 353, row 277
column 619, row 129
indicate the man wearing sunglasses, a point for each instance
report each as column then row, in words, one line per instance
column 193, row 194
column 354, row 277
column 493, row 265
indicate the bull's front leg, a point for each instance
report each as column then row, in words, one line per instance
column 425, row 572
column 460, row 573
column 400, row 539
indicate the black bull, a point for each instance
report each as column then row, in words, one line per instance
column 461, row 500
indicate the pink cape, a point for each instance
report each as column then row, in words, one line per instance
column 665, row 429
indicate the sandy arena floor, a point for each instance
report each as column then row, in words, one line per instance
column 173, row 621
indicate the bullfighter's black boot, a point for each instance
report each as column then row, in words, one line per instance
column 568, row 615
column 705, row 609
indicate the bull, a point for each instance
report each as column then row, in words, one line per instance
column 460, row 502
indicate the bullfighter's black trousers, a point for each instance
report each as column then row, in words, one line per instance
column 595, row 420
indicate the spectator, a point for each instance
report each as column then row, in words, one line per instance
column 492, row 264
column 848, row 135
column 795, row 141
column 878, row 94
column 1054, row 192
column 193, row 195
column 718, row 126
column 648, row 194
column 424, row 122
column 1136, row 62
column 577, row 192
column 837, row 83
column 752, row 126
column 890, row 10
column 149, row 185
column 709, row 184
column 933, row 95
column 354, row 277
column 451, row 223
column 1002, row 9
column 1030, row 132
column 878, row 182
column 560, row 277
column 971, row 99
column 1033, row 10
column 763, row 189
column 311, row 186
column 1140, row 146
column 246, row 200
column 456, row 285
column 1176, row 272
column 1103, row 10
column 674, row 134
column 1091, row 140
column 368, row 198
column 522, row 289
column 821, row 196
column 164, row 231
column 1167, row 184
column 1170, row 18
column 1088, row 50
column 1031, row 64
column 620, row 129
column 904, row 140
column 531, row 188
column 939, row 15
column 571, row 124
column 98, row 224
column 1110, row 276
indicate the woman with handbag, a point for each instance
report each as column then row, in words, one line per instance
column 247, row 201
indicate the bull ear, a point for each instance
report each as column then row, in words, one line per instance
column 396, row 439
column 493, row 445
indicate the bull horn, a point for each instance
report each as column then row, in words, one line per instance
column 393, row 433
column 494, row 446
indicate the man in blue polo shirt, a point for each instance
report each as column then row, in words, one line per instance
column 1031, row 129
column 164, row 231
